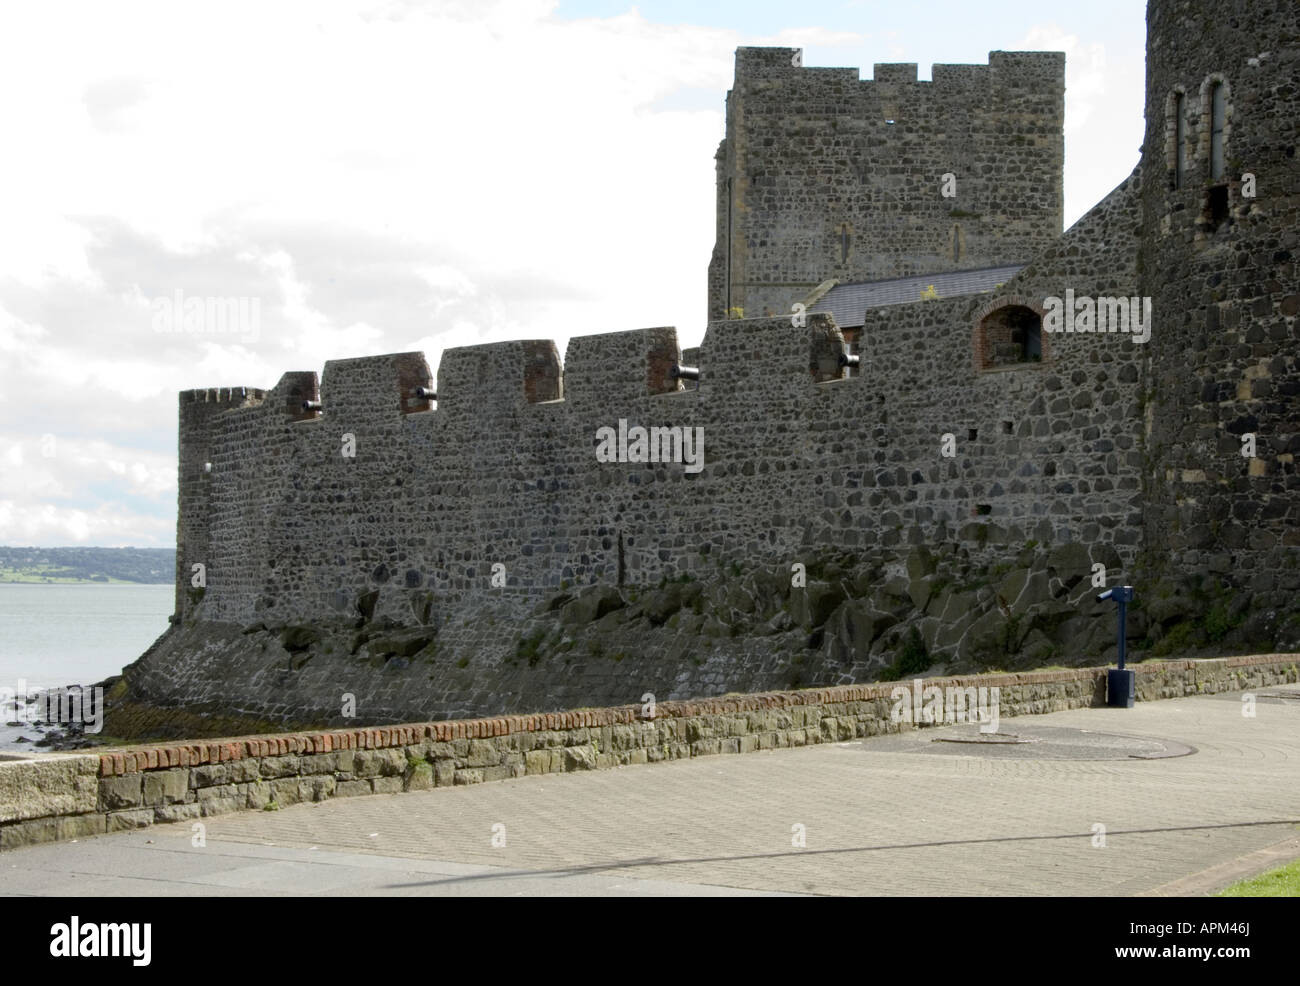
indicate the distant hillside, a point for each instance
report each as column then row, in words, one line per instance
column 87, row 564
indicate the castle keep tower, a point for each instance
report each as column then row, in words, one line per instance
column 823, row 176
column 1221, row 230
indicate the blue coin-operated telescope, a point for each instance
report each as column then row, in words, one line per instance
column 1120, row 683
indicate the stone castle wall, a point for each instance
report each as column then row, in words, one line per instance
column 823, row 175
column 1225, row 357
column 290, row 528
column 372, row 574
column 472, row 556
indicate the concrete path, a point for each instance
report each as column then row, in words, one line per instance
column 887, row 815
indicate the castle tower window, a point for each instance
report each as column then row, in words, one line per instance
column 1180, row 140
column 1218, row 112
column 845, row 241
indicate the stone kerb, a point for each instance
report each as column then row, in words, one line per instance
column 68, row 797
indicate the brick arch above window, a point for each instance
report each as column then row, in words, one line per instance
column 994, row 327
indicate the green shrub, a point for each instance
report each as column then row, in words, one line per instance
column 529, row 648
column 910, row 660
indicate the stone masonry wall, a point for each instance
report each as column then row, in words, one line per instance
column 1047, row 450
column 1225, row 359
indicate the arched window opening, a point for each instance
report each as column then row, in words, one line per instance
column 1218, row 114
column 1008, row 336
column 1180, row 140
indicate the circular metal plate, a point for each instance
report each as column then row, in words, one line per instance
column 1029, row 743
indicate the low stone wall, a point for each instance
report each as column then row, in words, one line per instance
column 77, row 795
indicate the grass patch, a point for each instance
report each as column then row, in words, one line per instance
column 1282, row 882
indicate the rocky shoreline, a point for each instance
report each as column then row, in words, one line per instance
column 25, row 729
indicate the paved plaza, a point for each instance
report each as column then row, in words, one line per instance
column 1192, row 795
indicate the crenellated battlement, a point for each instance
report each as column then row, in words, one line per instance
column 228, row 396
column 769, row 65
column 292, row 512
column 600, row 371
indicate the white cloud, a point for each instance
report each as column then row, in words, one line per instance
column 1085, row 70
column 1103, row 115
column 57, row 490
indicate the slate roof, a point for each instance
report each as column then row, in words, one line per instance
column 847, row 302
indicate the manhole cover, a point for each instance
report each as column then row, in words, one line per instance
column 1028, row 743
column 983, row 737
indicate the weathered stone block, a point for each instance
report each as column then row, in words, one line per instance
column 386, row 785
column 579, row 758
column 135, row 818
column 35, row 831
column 54, row 786
column 277, row 767
column 379, row 763
column 319, row 763
column 222, row 806
column 419, row 776
column 121, row 792
column 166, row 787
column 219, row 791
column 285, row 791
column 482, row 753
column 257, row 795
column 177, row 812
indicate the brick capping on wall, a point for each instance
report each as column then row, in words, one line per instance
column 74, row 795
column 133, row 759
